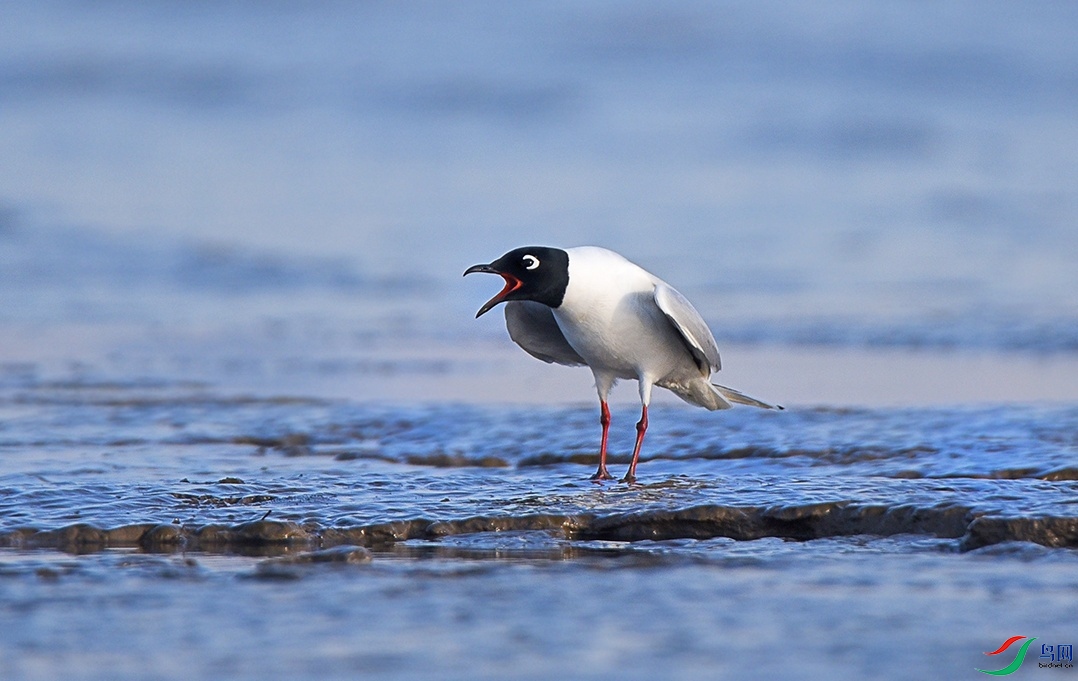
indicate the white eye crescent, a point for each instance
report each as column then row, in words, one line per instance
column 530, row 262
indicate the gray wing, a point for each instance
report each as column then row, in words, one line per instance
column 690, row 325
column 532, row 326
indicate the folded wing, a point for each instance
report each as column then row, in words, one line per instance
column 532, row 326
column 688, row 322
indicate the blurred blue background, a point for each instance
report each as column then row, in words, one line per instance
column 844, row 174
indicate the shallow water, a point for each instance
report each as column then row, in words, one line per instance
column 110, row 455
column 250, row 429
column 178, row 530
column 811, row 610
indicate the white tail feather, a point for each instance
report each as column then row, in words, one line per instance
column 703, row 393
column 741, row 398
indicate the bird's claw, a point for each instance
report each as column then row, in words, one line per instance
column 601, row 474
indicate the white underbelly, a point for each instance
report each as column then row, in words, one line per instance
column 627, row 341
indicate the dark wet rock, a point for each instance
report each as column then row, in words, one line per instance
column 555, row 459
column 805, row 511
column 269, row 532
column 943, row 521
column 258, row 537
column 794, row 522
column 1069, row 473
column 812, row 521
column 1052, row 532
column 17, row 537
column 162, row 537
column 702, row 522
column 127, row 535
column 336, row 536
column 456, row 461
column 389, row 533
column 213, row 535
column 74, row 538
column 497, row 524
column 1015, row 473
column 230, row 481
column 382, row 533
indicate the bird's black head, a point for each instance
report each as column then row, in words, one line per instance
column 534, row 273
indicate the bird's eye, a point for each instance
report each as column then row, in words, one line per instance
column 530, row 262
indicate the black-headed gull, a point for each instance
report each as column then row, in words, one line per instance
column 590, row 306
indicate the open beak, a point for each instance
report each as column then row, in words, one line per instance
column 511, row 284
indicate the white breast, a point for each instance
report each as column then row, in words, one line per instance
column 610, row 318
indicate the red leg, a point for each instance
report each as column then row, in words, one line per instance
column 604, row 419
column 641, row 428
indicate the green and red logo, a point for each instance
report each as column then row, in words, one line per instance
column 1018, row 659
column 1052, row 656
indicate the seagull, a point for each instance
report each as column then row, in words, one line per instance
column 589, row 306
